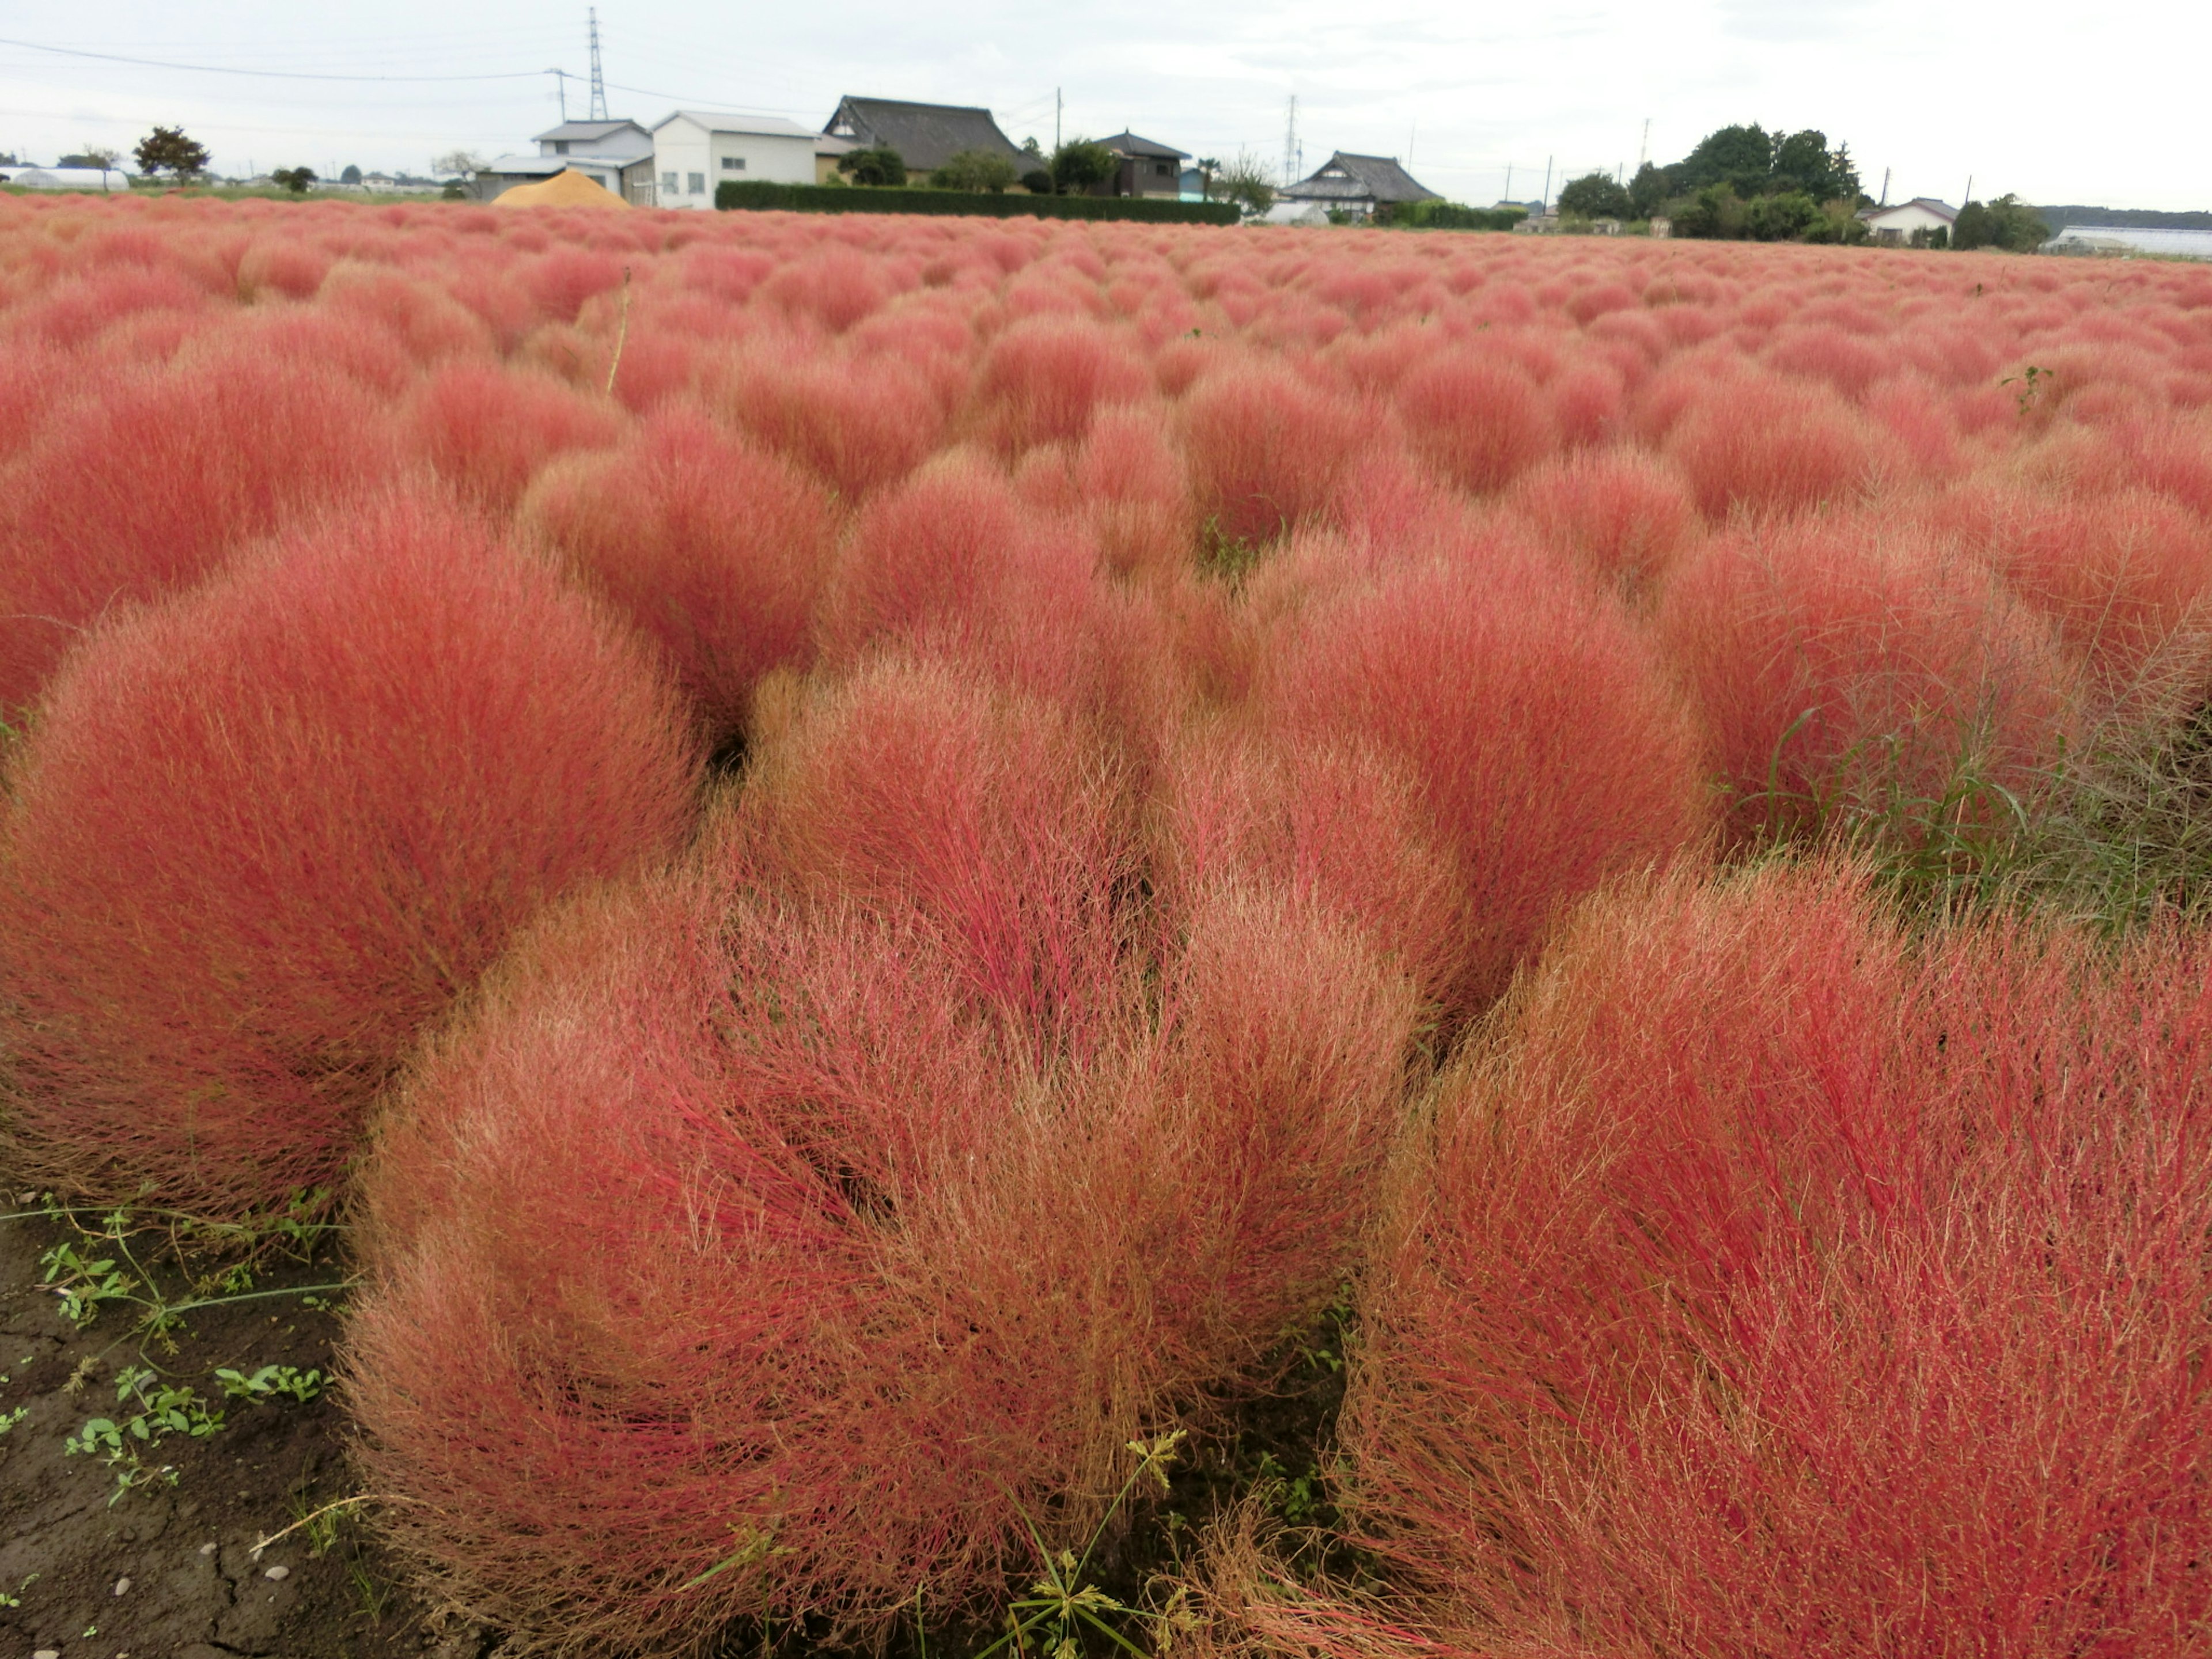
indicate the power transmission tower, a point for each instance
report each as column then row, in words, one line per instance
column 599, row 85
column 1291, row 144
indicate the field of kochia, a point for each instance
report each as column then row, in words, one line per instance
column 874, row 857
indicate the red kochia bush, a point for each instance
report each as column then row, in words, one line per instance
column 1531, row 716
column 1479, row 423
column 1265, row 450
column 733, row 1232
column 1776, row 1286
column 1849, row 674
column 263, row 832
column 144, row 488
column 714, row 548
column 1771, row 447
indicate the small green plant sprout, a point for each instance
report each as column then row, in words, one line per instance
column 1063, row 1604
column 84, row 1281
column 16, row 1598
column 162, row 1409
column 9, row 1419
column 2032, row 382
column 271, row 1383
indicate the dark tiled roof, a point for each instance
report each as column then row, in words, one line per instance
column 925, row 135
column 1348, row 178
column 1128, row 143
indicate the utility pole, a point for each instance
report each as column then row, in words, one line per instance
column 1411, row 133
column 599, row 85
column 1644, row 145
column 1548, row 184
column 1290, row 143
column 1885, row 187
column 1970, row 189
column 1057, row 104
column 1509, row 181
column 561, row 80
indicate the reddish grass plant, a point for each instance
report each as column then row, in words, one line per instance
column 714, row 548
column 1529, row 714
column 1776, row 1283
column 1850, row 677
column 262, row 832
column 867, row 1285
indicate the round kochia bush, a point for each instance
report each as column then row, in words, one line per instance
column 1779, row 1284
column 757, row 1222
column 261, row 833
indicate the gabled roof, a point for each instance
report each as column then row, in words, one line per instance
column 584, row 131
column 770, row 126
column 1127, row 143
column 1942, row 210
column 925, row 135
column 1348, row 178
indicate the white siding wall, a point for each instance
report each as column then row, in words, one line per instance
column 1907, row 218
column 689, row 161
column 681, row 160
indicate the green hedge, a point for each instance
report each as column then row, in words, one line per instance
column 758, row 195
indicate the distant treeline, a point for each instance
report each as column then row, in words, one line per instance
column 2137, row 218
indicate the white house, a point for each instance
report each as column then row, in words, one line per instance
column 618, row 154
column 1895, row 227
column 694, row 150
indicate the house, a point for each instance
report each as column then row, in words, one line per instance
column 1148, row 167
column 694, row 150
column 925, row 135
column 2127, row 241
column 1358, row 185
column 1908, row 223
column 616, row 154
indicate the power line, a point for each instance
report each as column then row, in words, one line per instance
column 266, row 75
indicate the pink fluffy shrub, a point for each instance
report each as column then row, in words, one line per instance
column 1531, row 716
column 1622, row 512
column 1848, row 678
column 1041, row 380
column 867, row 1284
column 1264, row 450
column 1769, row 447
column 714, row 548
column 486, row 430
column 263, row 833
column 1780, row 1285
column 1479, row 423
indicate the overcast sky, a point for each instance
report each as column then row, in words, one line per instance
column 2058, row 102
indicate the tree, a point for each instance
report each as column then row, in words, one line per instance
column 1647, row 191
column 1784, row 216
column 1715, row 213
column 980, row 170
column 351, row 176
column 295, row 180
column 2007, row 224
column 1246, row 182
column 881, row 166
column 457, row 160
column 166, row 149
column 1037, row 182
column 1080, row 163
column 1594, row 196
column 1207, row 167
column 92, row 155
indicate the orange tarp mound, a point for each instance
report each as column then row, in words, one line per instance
column 567, row 188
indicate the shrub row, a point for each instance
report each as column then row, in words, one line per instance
column 759, row 195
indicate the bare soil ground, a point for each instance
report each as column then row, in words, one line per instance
column 167, row 1571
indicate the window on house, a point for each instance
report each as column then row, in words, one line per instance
column 698, row 182
column 1163, row 169
column 733, row 164
column 668, row 183
column 560, row 146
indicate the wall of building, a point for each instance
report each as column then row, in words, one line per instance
column 689, row 161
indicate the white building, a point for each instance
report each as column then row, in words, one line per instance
column 616, row 155
column 2129, row 241
column 66, row 179
column 694, row 150
column 1894, row 226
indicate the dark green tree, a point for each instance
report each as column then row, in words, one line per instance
column 1037, row 182
column 1080, row 163
column 166, row 149
column 295, row 180
column 977, row 170
column 1594, row 196
column 1784, row 216
column 1742, row 158
column 2007, row 224
column 880, row 166
column 1646, row 191
column 1714, row 213
column 351, row 176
